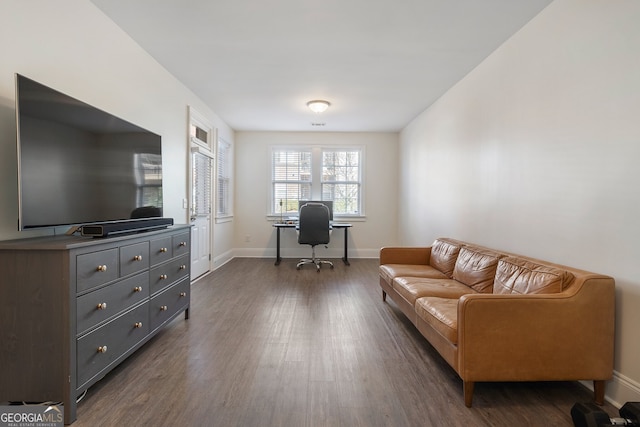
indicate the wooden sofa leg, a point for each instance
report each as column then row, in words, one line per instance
column 384, row 296
column 467, row 390
column 598, row 392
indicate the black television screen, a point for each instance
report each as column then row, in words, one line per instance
column 78, row 164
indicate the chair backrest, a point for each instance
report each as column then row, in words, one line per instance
column 314, row 224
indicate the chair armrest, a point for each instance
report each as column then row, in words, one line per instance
column 566, row 336
column 405, row 255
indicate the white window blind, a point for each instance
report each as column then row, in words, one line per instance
column 224, row 174
column 291, row 179
column 201, row 196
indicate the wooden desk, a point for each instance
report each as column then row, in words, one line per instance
column 280, row 226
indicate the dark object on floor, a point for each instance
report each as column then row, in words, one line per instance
column 591, row 415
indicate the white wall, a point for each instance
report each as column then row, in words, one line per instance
column 253, row 180
column 536, row 152
column 71, row 46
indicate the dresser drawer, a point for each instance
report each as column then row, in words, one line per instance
column 134, row 258
column 96, row 268
column 160, row 250
column 165, row 274
column 103, row 346
column 169, row 302
column 181, row 244
column 102, row 304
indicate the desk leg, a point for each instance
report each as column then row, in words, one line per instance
column 345, row 259
column 278, row 259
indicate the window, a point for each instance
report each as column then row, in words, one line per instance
column 291, row 178
column 201, row 184
column 224, row 173
column 200, row 132
column 341, row 180
column 315, row 173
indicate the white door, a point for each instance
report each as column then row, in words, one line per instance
column 201, row 165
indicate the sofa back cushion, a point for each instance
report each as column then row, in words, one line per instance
column 476, row 267
column 444, row 253
column 519, row 276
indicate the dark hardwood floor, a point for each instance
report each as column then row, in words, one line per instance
column 273, row 346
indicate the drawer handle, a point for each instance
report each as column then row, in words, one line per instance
column 163, row 277
column 137, row 289
column 138, row 325
column 164, row 308
column 102, row 349
column 183, row 243
column 137, row 258
column 163, row 249
column 183, row 294
column 102, row 306
column 183, row 267
column 102, row 268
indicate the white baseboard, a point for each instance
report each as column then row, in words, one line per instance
column 305, row 251
column 622, row 389
column 619, row 390
column 222, row 259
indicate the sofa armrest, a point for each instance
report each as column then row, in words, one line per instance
column 565, row 336
column 405, row 255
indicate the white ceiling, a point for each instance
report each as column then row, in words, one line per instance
column 379, row 62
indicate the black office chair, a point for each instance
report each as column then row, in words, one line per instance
column 314, row 229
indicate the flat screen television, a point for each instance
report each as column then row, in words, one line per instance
column 78, row 164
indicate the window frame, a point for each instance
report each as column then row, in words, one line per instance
column 317, row 181
column 224, row 172
column 275, row 203
column 345, row 182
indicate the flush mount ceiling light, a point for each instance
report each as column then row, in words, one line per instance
column 318, row 105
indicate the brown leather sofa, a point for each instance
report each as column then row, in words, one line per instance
column 496, row 316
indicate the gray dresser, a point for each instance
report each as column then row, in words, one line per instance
column 72, row 308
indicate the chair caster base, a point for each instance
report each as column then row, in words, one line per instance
column 316, row 262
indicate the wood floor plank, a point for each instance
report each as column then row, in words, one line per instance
column 274, row 346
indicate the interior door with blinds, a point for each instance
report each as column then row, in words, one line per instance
column 201, row 165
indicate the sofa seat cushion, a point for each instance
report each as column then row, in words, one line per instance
column 391, row 271
column 441, row 314
column 520, row 276
column 412, row 288
column 476, row 267
column 444, row 253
